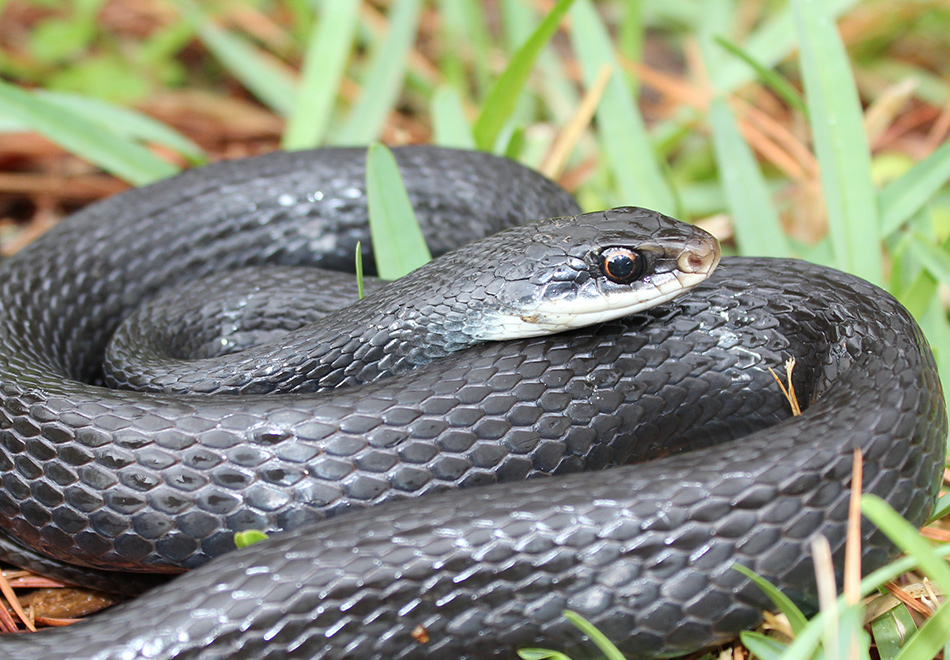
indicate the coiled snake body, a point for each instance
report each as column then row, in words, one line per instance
column 160, row 480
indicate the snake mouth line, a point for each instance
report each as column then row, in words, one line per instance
column 560, row 316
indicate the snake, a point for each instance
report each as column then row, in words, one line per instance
column 563, row 411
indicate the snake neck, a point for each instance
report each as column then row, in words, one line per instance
column 358, row 344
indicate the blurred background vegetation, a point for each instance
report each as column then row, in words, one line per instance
column 809, row 128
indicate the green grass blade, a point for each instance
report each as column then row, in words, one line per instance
column 328, row 50
column 556, row 95
column 504, row 94
column 796, row 619
column 840, row 142
column 125, row 123
column 600, row 640
column 514, row 144
column 301, row 13
column 915, row 294
column 541, row 654
column 10, row 125
column 942, row 508
column 621, row 129
column 906, row 537
column 903, row 197
column 398, row 244
column 518, row 23
column 933, row 258
column 249, row 537
column 464, row 26
column 758, row 230
column 930, row 638
column 631, row 32
column 358, row 261
column 449, row 126
column 385, row 74
column 854, row 642
column 274, row 86
column 772, row 80
column 891, row 630
column 771, row 43
column 87, row 139
column 937, row 329
column 762, row 646
column 876, row 579
column 806, row 642
column 713, row 18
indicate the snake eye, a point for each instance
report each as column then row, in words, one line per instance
column 622, row 265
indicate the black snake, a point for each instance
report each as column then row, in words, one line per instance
column 160, row 480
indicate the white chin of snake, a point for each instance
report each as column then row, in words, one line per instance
column 560, row 315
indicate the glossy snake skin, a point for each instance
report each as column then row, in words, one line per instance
column 160, row 481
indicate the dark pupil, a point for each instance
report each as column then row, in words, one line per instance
column 621, row 266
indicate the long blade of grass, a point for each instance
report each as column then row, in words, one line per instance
column 941, row 509
column 518, row 23
column 463, row 25
column 906, row 537
column 630, row 33
column 772, row 42
column 855, row 642
column 758, row 230
column 770, row 78
column 556, row 91
column 541, row 654
column 385, row 74
column 87, row 139
column 600, row 640
column 713, row 18
column 504, row 94
column 573, row 130
column 904, row 196
column 906, row 258
column 273, row 85
column 328, row 50
column 398, row 245
column 891, row 630
column 796, row 619
column 358, row 262
column 930, row 638
column 762, row 646
column 449, row 126
column 840, row 141
column 933, row 258
column 621, row 129
column 806, row 641
column 876, row 579
column 125, row 122
column 937, row 329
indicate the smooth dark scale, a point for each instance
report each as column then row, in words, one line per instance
column 644, row 552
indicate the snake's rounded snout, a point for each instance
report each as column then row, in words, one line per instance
column 700, row 256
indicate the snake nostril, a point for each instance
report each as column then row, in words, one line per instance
column 692, row 262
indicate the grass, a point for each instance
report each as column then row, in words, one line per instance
column 813, row 128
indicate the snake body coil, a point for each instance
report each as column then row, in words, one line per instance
column 160, row 481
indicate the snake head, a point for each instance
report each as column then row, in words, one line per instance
column 565, row 273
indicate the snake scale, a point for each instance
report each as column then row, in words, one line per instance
column 470, row 555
